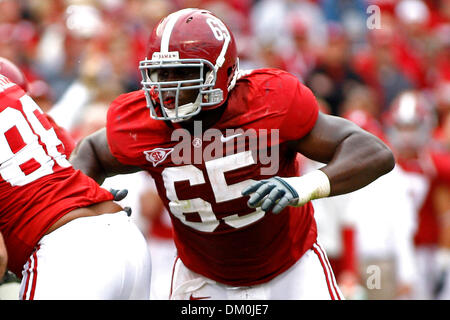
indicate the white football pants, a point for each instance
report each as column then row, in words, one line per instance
column 91, row 258
column 310, row 278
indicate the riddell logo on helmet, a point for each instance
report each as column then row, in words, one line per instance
column 172, row 55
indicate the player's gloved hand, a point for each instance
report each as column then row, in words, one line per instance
column 119, row 194
column 277, row 193
column 127, row 210
column 274, row 193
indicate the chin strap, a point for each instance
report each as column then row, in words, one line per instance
column 236, row 76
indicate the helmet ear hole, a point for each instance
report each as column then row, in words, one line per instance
column 229, row 71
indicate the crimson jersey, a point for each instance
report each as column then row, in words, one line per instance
column 435, row 168
column 63, row 135
column 215, row 232
column 37, row 183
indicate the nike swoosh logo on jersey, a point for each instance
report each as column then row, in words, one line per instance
column 225, row 139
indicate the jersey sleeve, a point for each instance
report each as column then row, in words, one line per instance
column 129, row 128
column 114, row 131
column 301, row 111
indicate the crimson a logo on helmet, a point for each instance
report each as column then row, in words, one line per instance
column 157, row 155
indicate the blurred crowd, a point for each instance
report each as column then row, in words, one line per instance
column 383, row 64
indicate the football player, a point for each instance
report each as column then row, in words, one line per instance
column 64, row 235
column 410, row 124
column 230, row 245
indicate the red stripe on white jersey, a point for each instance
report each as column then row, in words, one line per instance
column 333, row 278
column 173, row 273
column 31, row 277
column 329, row 275
column 25, row 288
column 33, row 286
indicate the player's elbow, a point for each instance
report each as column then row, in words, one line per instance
column 85, row 158
column 384, row 158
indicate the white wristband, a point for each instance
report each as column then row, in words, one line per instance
column 313, row 185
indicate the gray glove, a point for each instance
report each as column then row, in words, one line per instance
column 272, row 194
column 119, row 194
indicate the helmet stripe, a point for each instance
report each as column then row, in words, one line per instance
column 171, row 20
column 221, row 58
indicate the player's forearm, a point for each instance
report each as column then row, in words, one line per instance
column 354, row 158
column 93, row 157
column 359, row 160
column 84, row 158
